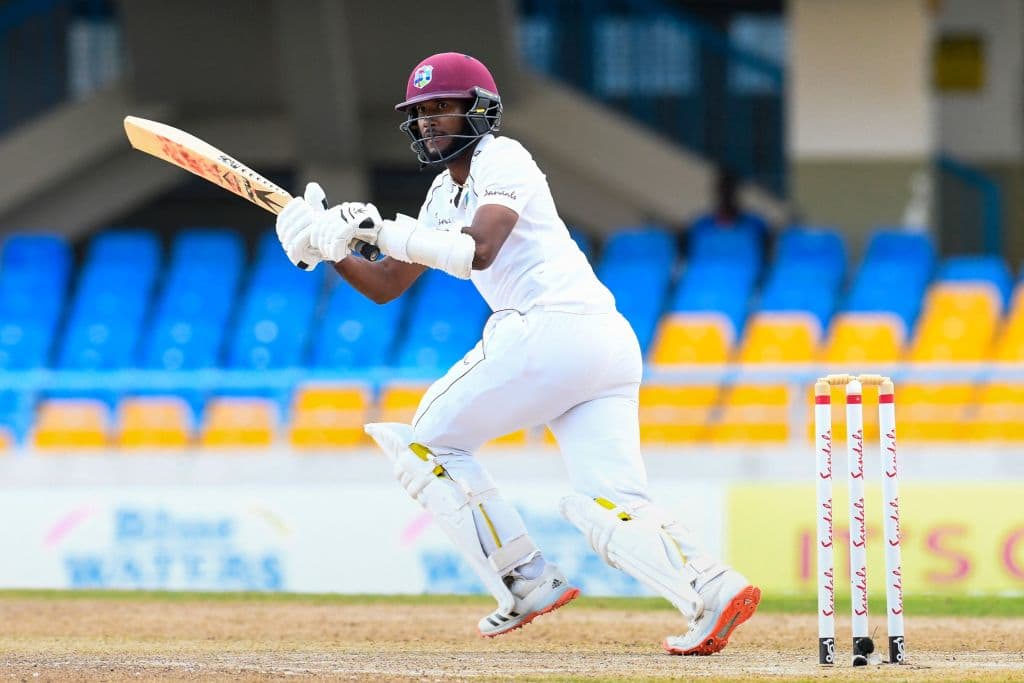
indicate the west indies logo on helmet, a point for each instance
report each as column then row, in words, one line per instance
column 451, row 75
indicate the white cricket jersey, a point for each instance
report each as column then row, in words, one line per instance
column 539, row 264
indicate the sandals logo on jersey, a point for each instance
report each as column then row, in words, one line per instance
column 422, row 76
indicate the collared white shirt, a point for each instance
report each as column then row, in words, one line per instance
column 539, row 264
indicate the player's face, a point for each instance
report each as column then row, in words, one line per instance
column 444, row 119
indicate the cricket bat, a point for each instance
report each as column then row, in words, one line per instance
column 206, row 161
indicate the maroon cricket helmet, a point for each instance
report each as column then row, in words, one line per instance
column 447, row 75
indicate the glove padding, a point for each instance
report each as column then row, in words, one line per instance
column 334, row 231
column 294, row 224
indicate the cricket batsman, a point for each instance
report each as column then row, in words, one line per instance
column 554, row 352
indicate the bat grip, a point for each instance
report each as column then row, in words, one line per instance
column 370, row 252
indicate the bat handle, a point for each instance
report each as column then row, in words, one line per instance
column 370, row 252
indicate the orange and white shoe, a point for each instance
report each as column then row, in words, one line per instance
column 534, row 597
column 729, row 600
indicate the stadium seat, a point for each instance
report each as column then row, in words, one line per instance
column 671, row 413
column 329, row 416
column 446, row 319
column 897, row 245
column 958, row 323
column 649, row 244
column 182, row 345
column 728, row 246
column 692, row 338
column 780, row 338
column 990, row 270
column 864, row 338
column 25, row 345
column 68, row 424
column 724, row 288
column 935, row 412
column 218, row 247
column 999, row 415
column 753, row 413
column 639, row 290
column 815, row 247
column 28, row 251
column 399, row 400
column 153, row 422
column 354, row 332
column 234, row 422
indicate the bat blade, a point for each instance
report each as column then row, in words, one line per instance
column 186, row 151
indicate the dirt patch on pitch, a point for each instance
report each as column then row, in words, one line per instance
column 116, row 640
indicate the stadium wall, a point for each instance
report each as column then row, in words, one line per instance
column 284, row 522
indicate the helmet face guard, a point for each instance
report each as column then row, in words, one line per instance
column 482, row 117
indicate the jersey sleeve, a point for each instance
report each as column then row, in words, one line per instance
column 507, row 176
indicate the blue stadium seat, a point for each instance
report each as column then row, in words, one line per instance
column 125, row 246
column 889, row 286
column 208, row 246
column 789, row 296
column 265, row 343
column 716, row 288
column 989, row 269
column 25, row 345
column 726, row 245
column 808, row 274
column 17, row 412
column 583, row 241
column 639, row 290
column 894, row 244
column 98, row 345
column 49, row 254
column 811, row 246
column 182, row 344
column 29, row 299
column 445, row 320
column 355, row 332
column 643, row 244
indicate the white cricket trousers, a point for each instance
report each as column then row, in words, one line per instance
column 578, row 373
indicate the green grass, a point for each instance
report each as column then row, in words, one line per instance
column 922, row 605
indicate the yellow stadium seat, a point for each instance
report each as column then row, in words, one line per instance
column 864, row 338
column 753, row 412
column 934, row 412
column 153, row 422
column 676, row 413
column 692, row 338
column 780, row 338
column 958, row 323
column 329, row 416
column 239, row 423
column 398, row 402
column 7, row 440
column 71, row 423
column 518, row 438
column 999, row 415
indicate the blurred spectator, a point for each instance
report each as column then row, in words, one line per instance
column 727, row 213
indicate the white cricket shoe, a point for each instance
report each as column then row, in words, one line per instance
column 534, row 597
column 729, row 600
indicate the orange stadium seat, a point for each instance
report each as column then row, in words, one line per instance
column 999, row 415
column 753, row 412
column 780, row 338
column 958, row 323
column 692, row 338
column 153, row 422
column 329, row 416
column 7, row 440
column 934, row 412
column 676, row 413
column 72, row 423
column 398, row 402
column 1010, row 341
column 864, row 338
column 239, row 422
